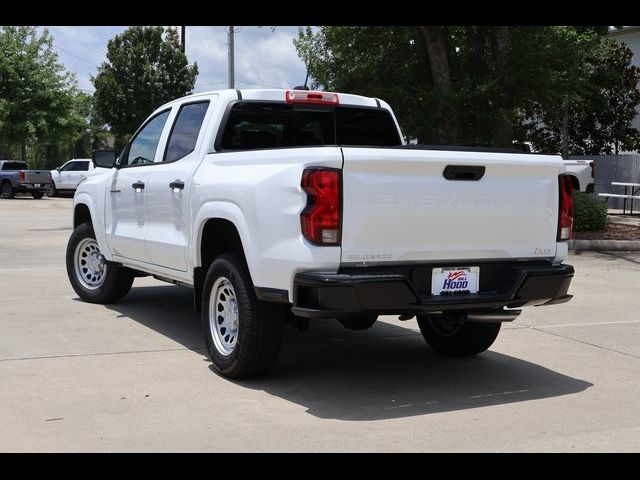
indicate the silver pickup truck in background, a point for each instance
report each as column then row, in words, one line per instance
column 15, row 177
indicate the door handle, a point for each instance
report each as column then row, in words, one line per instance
column 464, row 172
column 176, row 185
column 138, row 186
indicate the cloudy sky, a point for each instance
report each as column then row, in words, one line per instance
column 263, row 58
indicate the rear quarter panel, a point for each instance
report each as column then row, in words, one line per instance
column 259, row 191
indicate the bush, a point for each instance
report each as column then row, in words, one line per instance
column 589, row 213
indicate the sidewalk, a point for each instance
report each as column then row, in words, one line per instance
column 615, row 216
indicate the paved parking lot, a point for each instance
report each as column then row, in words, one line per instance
column 133, row 377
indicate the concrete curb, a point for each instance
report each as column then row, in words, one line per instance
column 604, row 245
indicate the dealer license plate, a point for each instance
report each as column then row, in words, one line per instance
column 454, row 280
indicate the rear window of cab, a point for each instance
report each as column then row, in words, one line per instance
column 254, row 125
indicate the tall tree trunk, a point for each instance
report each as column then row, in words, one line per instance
column 23, row 151
column 434, row 38
column 503, row 128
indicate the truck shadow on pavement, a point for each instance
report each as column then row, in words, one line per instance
column 385, row 372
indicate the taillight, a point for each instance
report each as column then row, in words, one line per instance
column 320, row 219
column 565, row 211
column 21, row 176
column 303, row 96
column 592, row 164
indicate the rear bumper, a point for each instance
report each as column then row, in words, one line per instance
column 406, row 290
column 31, row 187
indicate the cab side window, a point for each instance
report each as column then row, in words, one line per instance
column 183, row 137
column 80, row 167
column 68, row 167
column 142, row 149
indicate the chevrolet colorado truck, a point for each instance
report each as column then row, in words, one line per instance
column 15, row 177
column 295, row 205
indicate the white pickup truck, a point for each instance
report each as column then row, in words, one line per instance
column 582, row 174
column 290, row 205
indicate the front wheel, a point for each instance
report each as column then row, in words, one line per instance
column 242, row 334
column 52, row 191
column 449, row 334
column 92, row 278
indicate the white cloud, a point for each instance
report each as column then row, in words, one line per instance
column 262, row 57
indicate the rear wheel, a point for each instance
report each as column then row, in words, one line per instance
column 362, row 322
column 449, row 334
column 92, row 278
column 242, row 334
column 7, row 191
column 37, row 195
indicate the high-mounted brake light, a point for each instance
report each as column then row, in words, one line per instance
column 319, row 98
column 320, row 219
column 592, row 164
column 21, row 176
column 565, row 210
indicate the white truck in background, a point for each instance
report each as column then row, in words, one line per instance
column 582, row 174
column 67, row 177
column 277, row 205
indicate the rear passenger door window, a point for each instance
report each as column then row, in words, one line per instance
column 184, row 134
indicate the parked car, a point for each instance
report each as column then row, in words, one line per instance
column 67, row 177
column 15, row 177
column 301, row 205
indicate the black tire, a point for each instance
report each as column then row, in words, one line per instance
column 52, row 191
column 7, row 191
column 37, row 195
column 448, row 336
column 117, row 280
column 362, row 322
column 259, row 324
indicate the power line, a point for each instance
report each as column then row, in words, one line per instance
column 259, row 84
column 56, row 29
column 77, row 56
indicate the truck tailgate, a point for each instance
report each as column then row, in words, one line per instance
column 399, row 207
column 36, row 176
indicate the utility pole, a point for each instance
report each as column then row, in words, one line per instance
column 183, row 38
column 565, row 127
column 231, row 59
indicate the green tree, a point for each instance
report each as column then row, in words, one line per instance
column 36, row 91
column 599, row 117
column 458, row 84
column 144, row 69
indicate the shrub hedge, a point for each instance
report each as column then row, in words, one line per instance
column 589, row 213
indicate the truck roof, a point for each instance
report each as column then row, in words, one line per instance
column 279, row 95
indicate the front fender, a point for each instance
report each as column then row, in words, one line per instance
column 96, row 220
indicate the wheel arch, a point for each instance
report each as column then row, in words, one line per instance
column 220, row 229
column 84, row 211
column 81, row 214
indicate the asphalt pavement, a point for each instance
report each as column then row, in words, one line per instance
column 133, row 376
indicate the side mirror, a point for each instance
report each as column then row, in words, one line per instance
column 58, row 168
column 103, row 158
